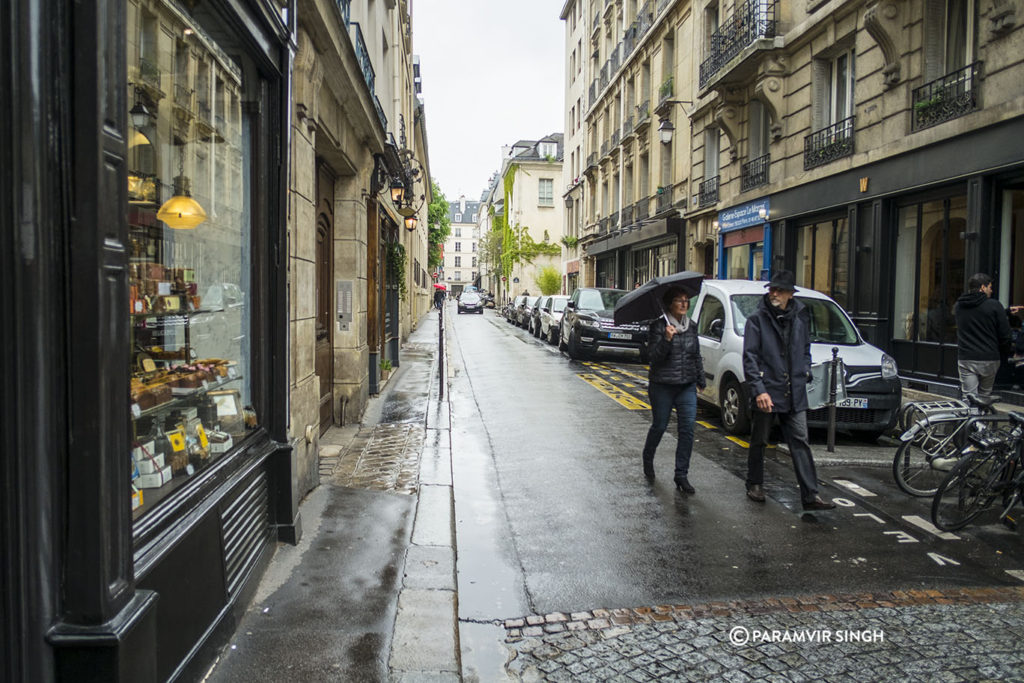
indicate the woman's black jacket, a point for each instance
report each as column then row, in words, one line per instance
column 677, row 361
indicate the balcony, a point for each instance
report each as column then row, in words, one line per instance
column 593, row 93
column 183, row 96
column 643, row 113
column 615, row 138
column 605, row 74
column 754, row 173
column 380, row 113
column 752, row 20
column 602, row 226
column 642, row 209
column 663, row 5
column 615, row 60
column 664, row 198
column 627, row 215
column 707, row 192
column 604, row 149
column 644, row 19
column 363, row 57
column 613, row 221
column 828, row 144
column 592, row 160
column 596, row 22
column 630, row 40
column 946, row 98
column 627, row 127
column 345, row 6
column 666, row 90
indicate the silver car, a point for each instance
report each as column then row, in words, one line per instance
column 551, row 317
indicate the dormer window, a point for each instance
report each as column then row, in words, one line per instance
column 547, row 149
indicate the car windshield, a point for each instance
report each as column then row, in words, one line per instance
column 600, row 300
column 558, row 305
column 470, row 298
column 829, row 325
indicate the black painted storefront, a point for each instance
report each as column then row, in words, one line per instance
column 870, row 201
column 88, row 594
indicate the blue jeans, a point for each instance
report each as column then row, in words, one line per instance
column 663, row 397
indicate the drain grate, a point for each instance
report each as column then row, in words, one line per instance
column 388, row 460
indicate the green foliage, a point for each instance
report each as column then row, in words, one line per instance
column 666, row 88
column 385, row 365
column 549, row 280
column 570, row 241
column 439, row 225
column 396, row 268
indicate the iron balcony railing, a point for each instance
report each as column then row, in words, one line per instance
column 644, row 19
column 643, row 112
column 665, row 198
column 752, row 20
column 707, row 192
column 627, row 215
column 642, row 209
column 596, row 22
column 604, row 148
column 666, row 90
column 593, row 93
column 346, row 11
column 946, row 98
column 363, row 57
column 615, row 59
column 627, row 126
column 602, row 226
column 182, row 96
column 829, row 144
column 613, row 221
column 605, row 73
column 592, row 159
column 629, row 40
column 663, row 5
column 615, row 138
column 380, row 113
column 754, row 173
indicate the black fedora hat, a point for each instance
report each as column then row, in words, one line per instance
column 783, row 279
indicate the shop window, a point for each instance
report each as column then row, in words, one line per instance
column 190, row 277
column 930, row 234
column 822, row 257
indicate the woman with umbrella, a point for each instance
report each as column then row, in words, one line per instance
column 676, row 367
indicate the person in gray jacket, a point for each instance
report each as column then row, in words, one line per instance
column 777, row 366
column 676, row 370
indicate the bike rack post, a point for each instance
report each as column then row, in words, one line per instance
column 832, row 401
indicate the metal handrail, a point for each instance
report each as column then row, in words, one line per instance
column 829, row 144
column 946, row 98
column 707, row 192
column 752, row 20
column 755, row 172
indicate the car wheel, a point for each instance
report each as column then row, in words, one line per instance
column 573, row 347
column 551, row 335
column 735, row 411
column 561, row 340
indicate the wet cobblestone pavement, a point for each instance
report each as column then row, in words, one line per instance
column 953, row 635
column 386, row 458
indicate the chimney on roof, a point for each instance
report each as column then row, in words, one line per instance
column 462, row 203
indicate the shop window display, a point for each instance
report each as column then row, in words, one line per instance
column 190, row 252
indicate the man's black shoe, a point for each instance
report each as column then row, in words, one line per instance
column 755, row 493
column 819, row 504
column 683, row 484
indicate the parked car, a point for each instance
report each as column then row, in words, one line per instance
column 551, row 317
column 533, row 322
column 524, row 310
column 512, row 309
column 872, row 385
column 587, row 325
column 470, row 302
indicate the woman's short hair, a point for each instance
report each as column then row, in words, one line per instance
column 673, row 293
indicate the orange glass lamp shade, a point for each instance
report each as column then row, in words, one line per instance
column 181, row 212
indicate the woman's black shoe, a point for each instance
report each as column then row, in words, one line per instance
column 683, row 485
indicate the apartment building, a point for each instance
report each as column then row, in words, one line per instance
column 635, row 177
column 577, row 70
column 461, row 259
column 871, row 147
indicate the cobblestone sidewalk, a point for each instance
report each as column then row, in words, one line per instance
column 386, row 458
column 955, row 635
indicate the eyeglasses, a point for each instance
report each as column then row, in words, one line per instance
column 685, row 302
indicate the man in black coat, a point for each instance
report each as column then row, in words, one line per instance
column 777, row 365
column 983, row 336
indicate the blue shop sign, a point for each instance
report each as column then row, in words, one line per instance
column 743, row 216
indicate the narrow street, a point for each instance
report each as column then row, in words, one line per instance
column 560, row 536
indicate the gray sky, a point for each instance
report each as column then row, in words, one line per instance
column 493, row 73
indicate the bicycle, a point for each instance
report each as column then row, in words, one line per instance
column 991, row 467
column 933, row 440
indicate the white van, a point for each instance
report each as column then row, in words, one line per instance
column 873, row 390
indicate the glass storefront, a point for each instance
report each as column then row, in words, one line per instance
column 822, row 253
column 650, row 262
column 190, row 252
column 745, row 262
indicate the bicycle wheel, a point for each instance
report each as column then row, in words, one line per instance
column 914, row 472
column 968, row 489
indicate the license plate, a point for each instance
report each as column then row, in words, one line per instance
column 620, row 335
column 852, row 403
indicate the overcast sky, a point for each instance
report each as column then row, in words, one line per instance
column 493, row 73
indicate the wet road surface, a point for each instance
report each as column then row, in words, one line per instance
column 554, row 517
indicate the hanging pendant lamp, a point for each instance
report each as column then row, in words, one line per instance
column 181, row 211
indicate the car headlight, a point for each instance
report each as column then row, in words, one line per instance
column 889, row 367
column 587, row 322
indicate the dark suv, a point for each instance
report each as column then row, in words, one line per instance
column 587, row 325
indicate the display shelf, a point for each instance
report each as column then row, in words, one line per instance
column 169, row 314
column 181, row 399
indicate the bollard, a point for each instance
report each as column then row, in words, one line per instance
column 832, row 401
column 440, row 353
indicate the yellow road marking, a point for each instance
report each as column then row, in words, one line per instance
column 607, row 368
column 615, row 393
column 739, row 441
column 708, row 425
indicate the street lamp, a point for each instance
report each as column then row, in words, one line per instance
column 397, row 191
column 665, row 130
column 410, row 223
column 568, row 201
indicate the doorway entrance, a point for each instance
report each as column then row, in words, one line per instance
column 324, row 294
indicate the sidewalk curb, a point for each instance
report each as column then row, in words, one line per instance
column 425, row 642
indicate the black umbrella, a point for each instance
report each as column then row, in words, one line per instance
column 644, row 302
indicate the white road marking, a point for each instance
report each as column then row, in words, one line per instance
column 901, row 536
column 1016, row 573
column 923, row 523
column 856, row 488
column 942, row 560
column 868, row 514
